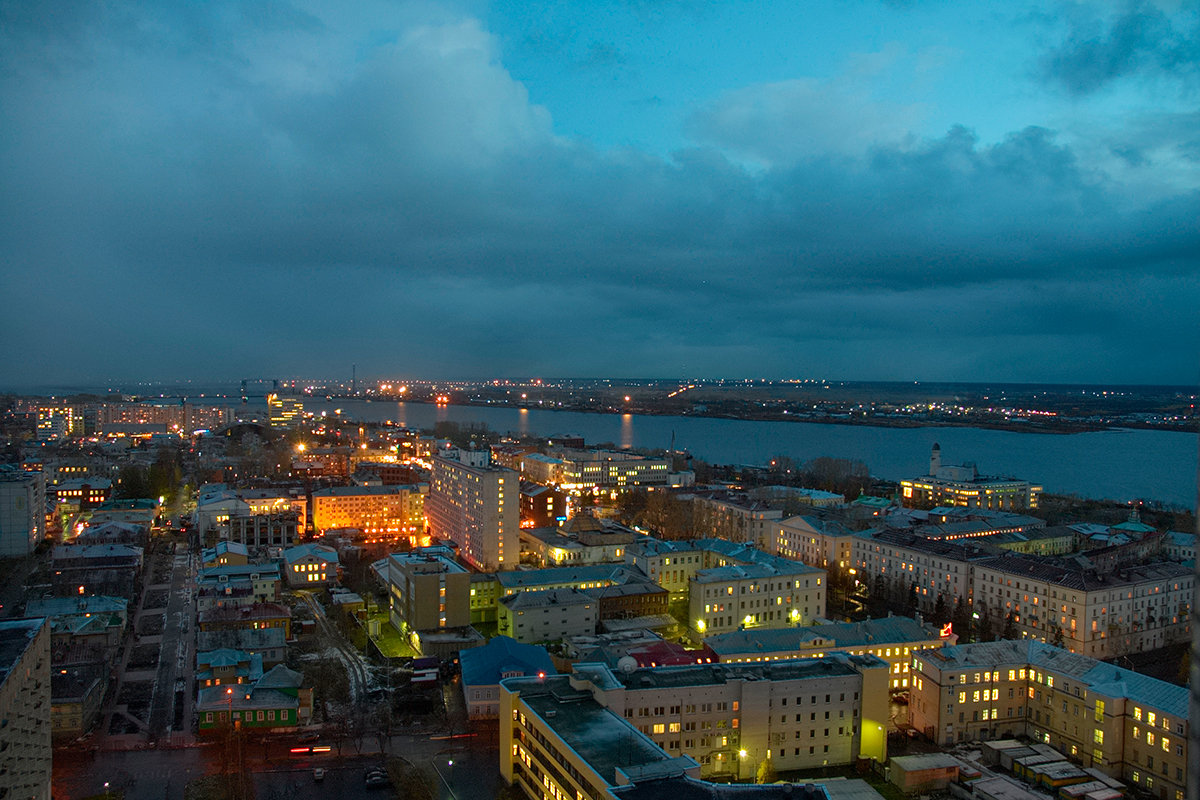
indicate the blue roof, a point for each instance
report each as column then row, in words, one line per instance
column 300, row 551
column 484, row 666
column 869, row 633
column 618, row 573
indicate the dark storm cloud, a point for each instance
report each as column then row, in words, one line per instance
column 1140, row 40
column 201, row 201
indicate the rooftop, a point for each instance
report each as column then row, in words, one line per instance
column 601, row 738
column 616, row 573
column 687, row 788
column 484, row 666
column 1100, row 677
column 15, row 637
column 549, row 598
column 714, row 674
column 355, row 491
column 869, row 633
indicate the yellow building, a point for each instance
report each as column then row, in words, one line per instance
column 284, row 411
column 727, row 719
column 375, row 510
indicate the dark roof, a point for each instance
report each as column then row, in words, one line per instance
column 685, row 788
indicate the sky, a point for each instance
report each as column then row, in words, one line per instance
column 937, row 191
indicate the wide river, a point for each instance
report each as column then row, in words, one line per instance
column 1120, row 465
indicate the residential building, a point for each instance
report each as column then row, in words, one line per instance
column 227, row 665
column 255, row 518
column 962, row 485
column 81, row 494
column 542, row 470
column 225, row 553
column 729, row 718
column 476, row 505
column 1180, row 546
column 76, row 697
column 278, row 701
column 103, row 569
column 113, row 533
column 310, row 565
column 428, row 590
column 237, row 585
column 1126, row 724
column 22, row 511
column 735, row 518
column 634, row 600
column 394, row 510
column 542, row 506
column 25, row 754
column 485, row 592
column 250, row 617
column 1067, row 602
column 937, row 568
column 546, row 616
column 820, row 543
column 269, row 643
column 893, row 639
column 484, row 667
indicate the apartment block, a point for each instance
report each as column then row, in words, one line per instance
column 819, row 543
column 935, row 567
column 1069, row 603
column 476, row 505
column 428, row 590
column 1126, row 724
column 22, row 511
column 25, row 754
column 893, row 639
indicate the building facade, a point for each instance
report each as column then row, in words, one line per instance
column 22, row 511
column 477, row 506
column 428, row 590
column 374, row 510
column 1126, row 724
column 25, row 754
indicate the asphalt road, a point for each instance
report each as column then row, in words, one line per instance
column 278, row 774
column 175, row 654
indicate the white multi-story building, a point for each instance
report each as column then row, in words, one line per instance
column 1101, row 615
column 549, row 616
column 962, row 485
column 935, row 567
column 736, row 518
column 22, row 511
column 476, row 505
column 825, row 544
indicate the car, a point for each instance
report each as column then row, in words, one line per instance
column 318, row 774
column 309, row 738
column 377, row 777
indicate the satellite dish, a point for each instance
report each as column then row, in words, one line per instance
column 627, row 664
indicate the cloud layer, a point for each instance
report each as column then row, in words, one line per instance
column 266, row 189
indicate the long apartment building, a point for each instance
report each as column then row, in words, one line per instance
column 25, row 754
column 727, row 718
column 893, row 639
column 936, row 567
column 1098, row 614
column 1128, row 725
column 374, row 510
column 476, row 505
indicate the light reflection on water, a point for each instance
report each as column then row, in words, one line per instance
column 1121, row 464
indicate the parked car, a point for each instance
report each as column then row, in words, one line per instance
column 318, row 774
column 376, row 777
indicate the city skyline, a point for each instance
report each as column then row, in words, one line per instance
column 866, row 191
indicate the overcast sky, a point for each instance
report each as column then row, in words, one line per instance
column 1001, row 191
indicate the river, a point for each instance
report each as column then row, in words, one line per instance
column 1119, row 465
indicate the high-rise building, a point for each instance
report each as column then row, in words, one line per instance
column 22, row 511
column 476, row 505
column 284, row 411
column 25, row 754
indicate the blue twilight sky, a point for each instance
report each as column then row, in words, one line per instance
column 855, row 190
